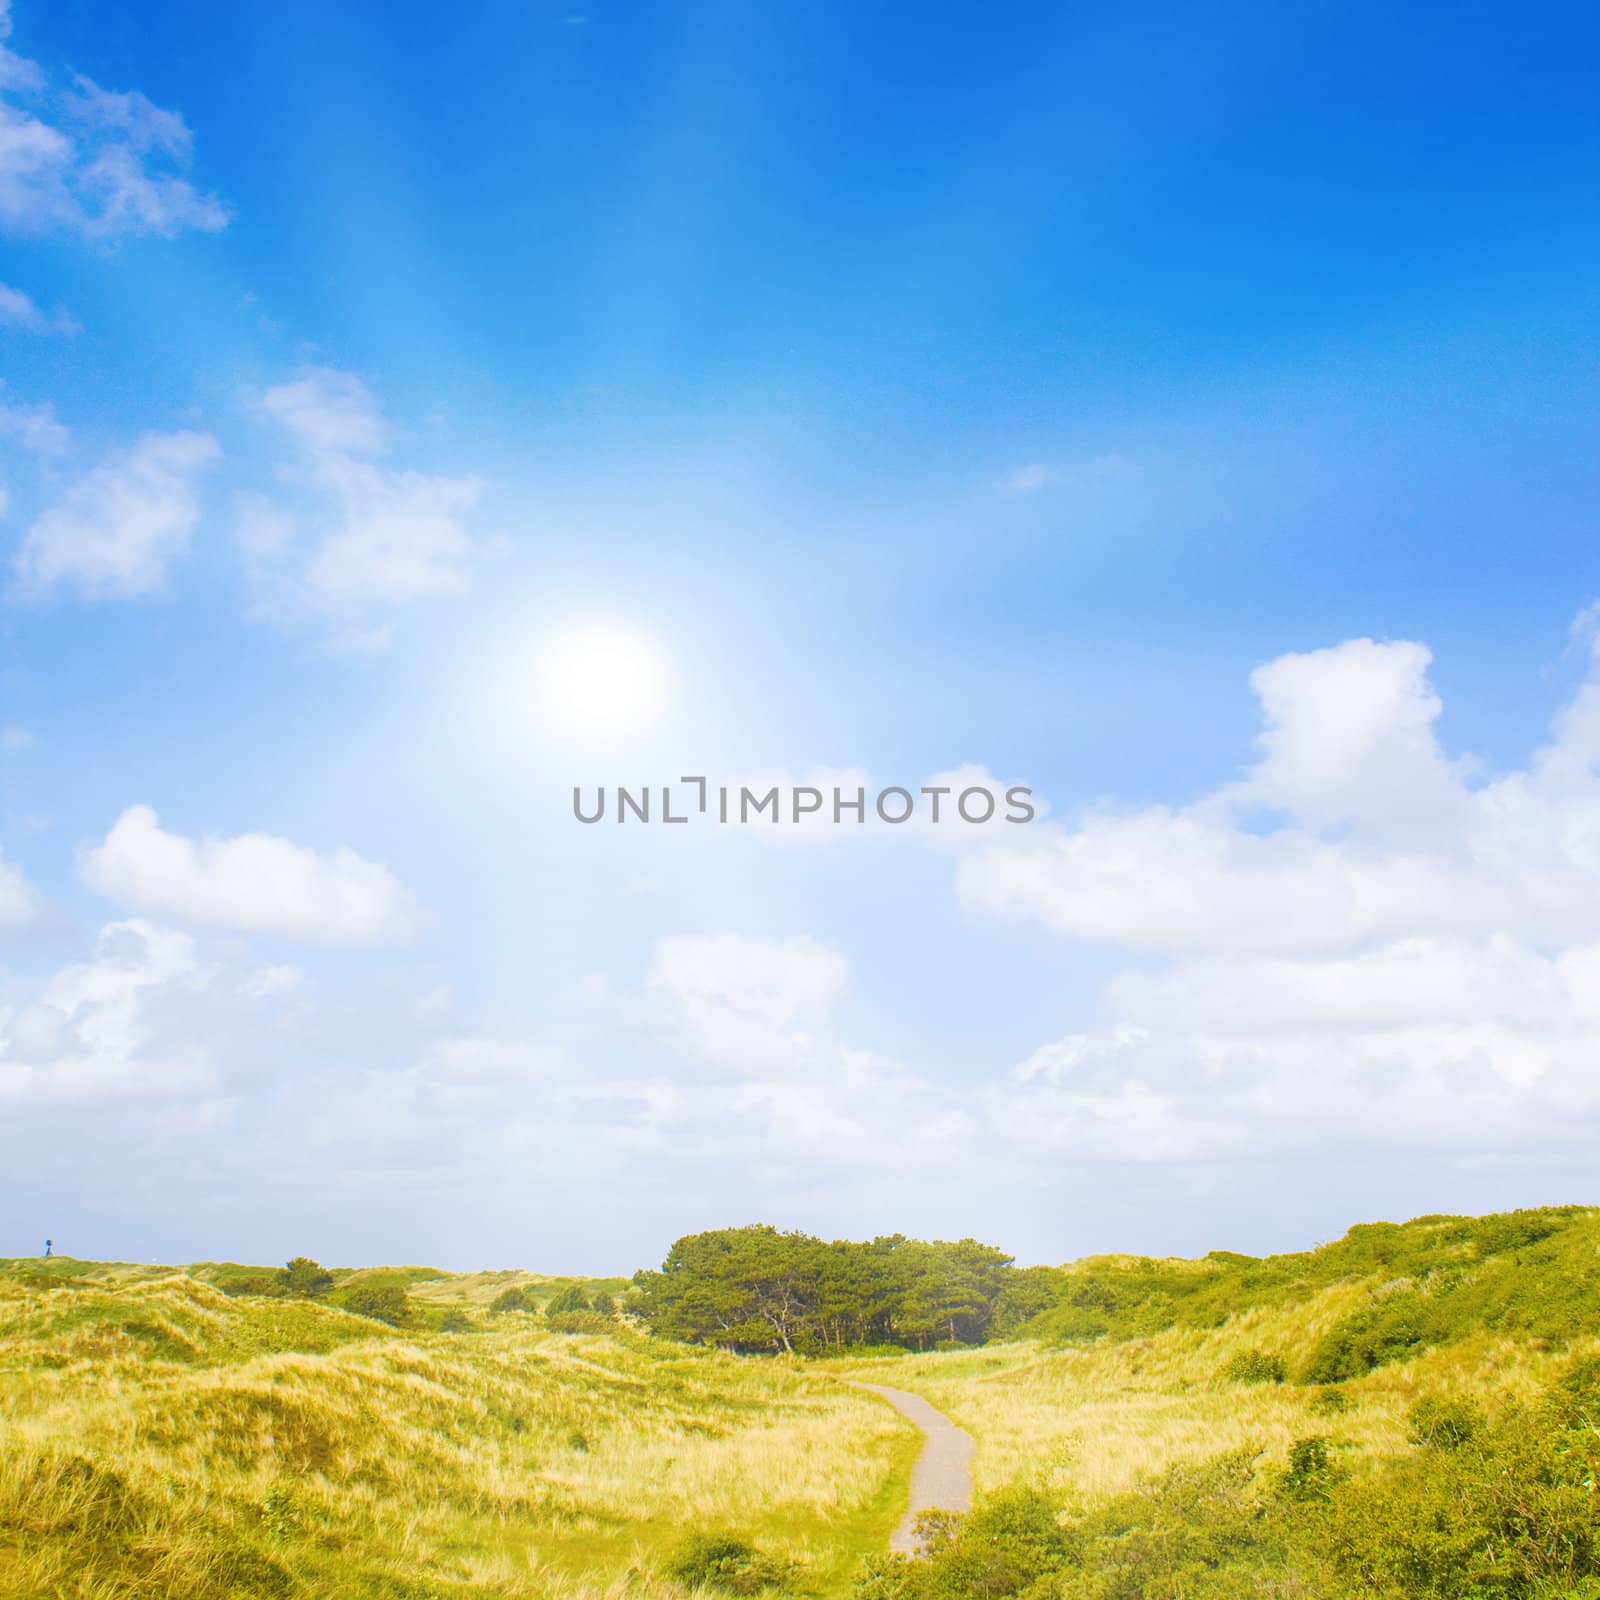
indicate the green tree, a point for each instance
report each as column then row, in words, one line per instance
column 304, row 1278
column 758, row 1288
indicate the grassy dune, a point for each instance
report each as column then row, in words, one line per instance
column 1093, row 1422
column 160, row 1439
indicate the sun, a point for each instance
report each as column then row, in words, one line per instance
column 602, row 681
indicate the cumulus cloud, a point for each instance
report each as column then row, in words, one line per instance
column 146, row 1017
column 352, row 531
column 89, row 1030
column 115, row 532
column 1376, row 833
column 1366, row 943
column 726, row 1060
column 255, row 883
column 78, row 158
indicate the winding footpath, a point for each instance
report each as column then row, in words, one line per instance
column 942, row 1478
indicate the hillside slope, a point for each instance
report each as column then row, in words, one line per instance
column 158, row 1438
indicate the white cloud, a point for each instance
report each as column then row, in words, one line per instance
column 725, row 1061
column 1026, row 479
column 1369, row 949
column 14, row 737
column 35, row 428
column 357, row 532
column 331, row 413
column 91, row 161
column 145, row 1017
column 402, row 537
column 255, row 883
column 23, row 909
column 1349, row 738
column 1380, row 835
column 118, row 528
column 89, row 1030
column 777, row 983
column 1032, row 476
column 18, row 310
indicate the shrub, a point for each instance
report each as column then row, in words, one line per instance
column 456, row 1321
column 1575, row 1399
column 721, row 1561
column 269, row 1284
column 1012, row 1541
column 516, row 1298
column 1445, row 1423
column 306, row 1280
column 603, row 1305
column 1311, row 1472
column 383, row 1303
column 1509, row 1518
column 301, row 1279
column 1255, row 1366
column 1332, row 1402
column 1391, row 1329
column 571, row 1298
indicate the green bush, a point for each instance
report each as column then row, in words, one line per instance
column 1332, row 1402
column 306, row 1280
column 1255, row 1366
column 570, row 1298
column 1510, row 1516
column 1391, row 1329
column 726, row 1563
column 1012, row 1541
column 1445, row 1423
column 301, row 1279
column 1311, row 1472
column 381, row 1302
column 516, row 1298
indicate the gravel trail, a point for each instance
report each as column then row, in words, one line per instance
column 942, row 1477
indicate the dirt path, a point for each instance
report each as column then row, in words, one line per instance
column 942, row 1477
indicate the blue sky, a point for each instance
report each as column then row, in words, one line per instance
column 1188, row 414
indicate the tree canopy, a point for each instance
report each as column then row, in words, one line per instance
column 757, row 1288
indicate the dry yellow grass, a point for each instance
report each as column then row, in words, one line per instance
column 1094, row 1421
column 506, row 1462
column 159, row 1440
